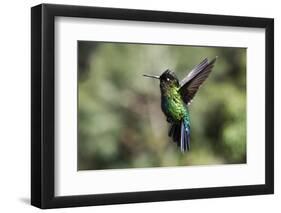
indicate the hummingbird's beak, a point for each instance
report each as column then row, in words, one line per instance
column 151, row 76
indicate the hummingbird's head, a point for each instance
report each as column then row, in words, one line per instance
column 167, row 79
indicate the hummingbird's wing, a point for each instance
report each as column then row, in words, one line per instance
column 191, row 83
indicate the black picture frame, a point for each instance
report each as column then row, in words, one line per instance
column 43, row 102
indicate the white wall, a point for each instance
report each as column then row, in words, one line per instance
column 15, row 106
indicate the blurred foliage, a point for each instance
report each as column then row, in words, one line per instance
column 121, row 124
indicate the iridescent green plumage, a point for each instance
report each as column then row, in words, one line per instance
column 172, row 103
column 175, row 97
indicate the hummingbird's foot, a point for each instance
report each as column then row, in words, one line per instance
column 169, row 120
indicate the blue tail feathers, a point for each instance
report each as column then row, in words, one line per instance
column 180, row 132
column 185, row 136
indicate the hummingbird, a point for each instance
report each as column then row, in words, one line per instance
column 177, row 95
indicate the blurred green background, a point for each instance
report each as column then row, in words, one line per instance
column 121, row 124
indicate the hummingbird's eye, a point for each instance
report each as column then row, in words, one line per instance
column 168, row 79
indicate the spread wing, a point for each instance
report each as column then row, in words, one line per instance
column 191, row 83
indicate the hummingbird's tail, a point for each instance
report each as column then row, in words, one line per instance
column 180, row 132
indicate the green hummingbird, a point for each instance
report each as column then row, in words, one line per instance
column 177, row 95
